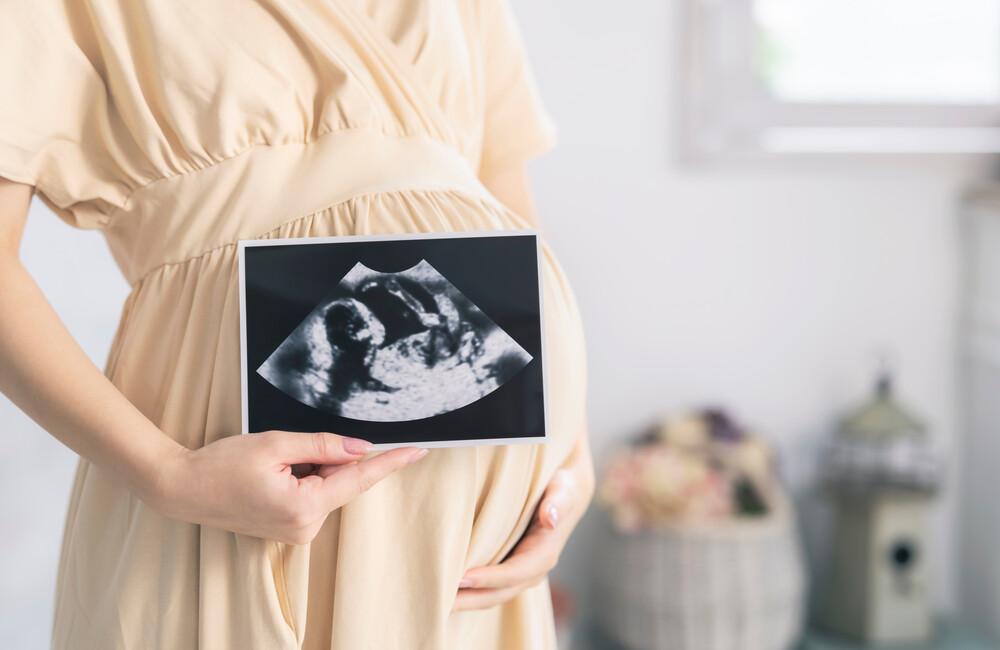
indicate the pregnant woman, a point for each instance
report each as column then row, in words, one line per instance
column 177, row 129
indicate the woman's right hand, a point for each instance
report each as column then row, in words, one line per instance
column 247, row 483
column 243, row 483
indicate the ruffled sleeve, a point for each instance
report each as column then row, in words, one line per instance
column 517, row 126
column 53, row 112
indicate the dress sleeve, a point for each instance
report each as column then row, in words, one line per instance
column 50, row 115
column 517, row 126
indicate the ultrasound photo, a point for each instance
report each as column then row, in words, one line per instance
column 394, row 346
column 421, row 338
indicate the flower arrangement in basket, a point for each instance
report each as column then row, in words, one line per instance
column 702, row 550
column 695, row 467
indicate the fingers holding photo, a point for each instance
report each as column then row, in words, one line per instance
column 345, row 482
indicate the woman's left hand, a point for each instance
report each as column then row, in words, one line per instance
column 568, row 494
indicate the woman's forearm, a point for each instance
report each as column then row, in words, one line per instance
column 47, row 375
column 239, row 483
column 243, row 484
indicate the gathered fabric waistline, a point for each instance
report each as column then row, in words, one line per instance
column 249, row 195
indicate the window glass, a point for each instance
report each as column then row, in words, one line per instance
column 879, row 51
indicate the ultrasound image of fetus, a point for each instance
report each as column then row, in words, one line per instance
column 391, row 347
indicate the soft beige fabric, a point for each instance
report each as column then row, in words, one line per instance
column 177, row 128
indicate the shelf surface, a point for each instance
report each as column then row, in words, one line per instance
column 948, row 636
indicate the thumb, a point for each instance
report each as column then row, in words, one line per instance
column 347, row 482
column 320, row 448
column 559, row 500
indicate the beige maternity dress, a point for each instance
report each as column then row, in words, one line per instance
column 178, row 127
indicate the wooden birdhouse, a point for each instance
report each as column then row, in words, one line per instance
column 880, row 472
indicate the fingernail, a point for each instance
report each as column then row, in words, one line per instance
column 357, row 446
column 418, row 455
column 553, row 516
column 465, row 582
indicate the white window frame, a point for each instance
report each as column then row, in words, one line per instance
column 728, row 114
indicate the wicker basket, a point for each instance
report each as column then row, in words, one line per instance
column 733, row 585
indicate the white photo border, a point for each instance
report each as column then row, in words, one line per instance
column 242, row 244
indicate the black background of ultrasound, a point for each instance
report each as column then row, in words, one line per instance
column 284, row 283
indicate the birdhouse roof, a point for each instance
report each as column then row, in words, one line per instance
column 882, row 417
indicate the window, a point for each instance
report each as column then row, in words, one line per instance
column 848, row 76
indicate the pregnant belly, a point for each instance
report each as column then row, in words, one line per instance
column 403, row 545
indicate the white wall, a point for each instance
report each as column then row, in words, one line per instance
column 764, row 289
column 767, row 288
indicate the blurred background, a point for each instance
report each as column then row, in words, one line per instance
column 764, row 207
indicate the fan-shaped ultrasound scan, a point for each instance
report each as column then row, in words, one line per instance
column 390, row 347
